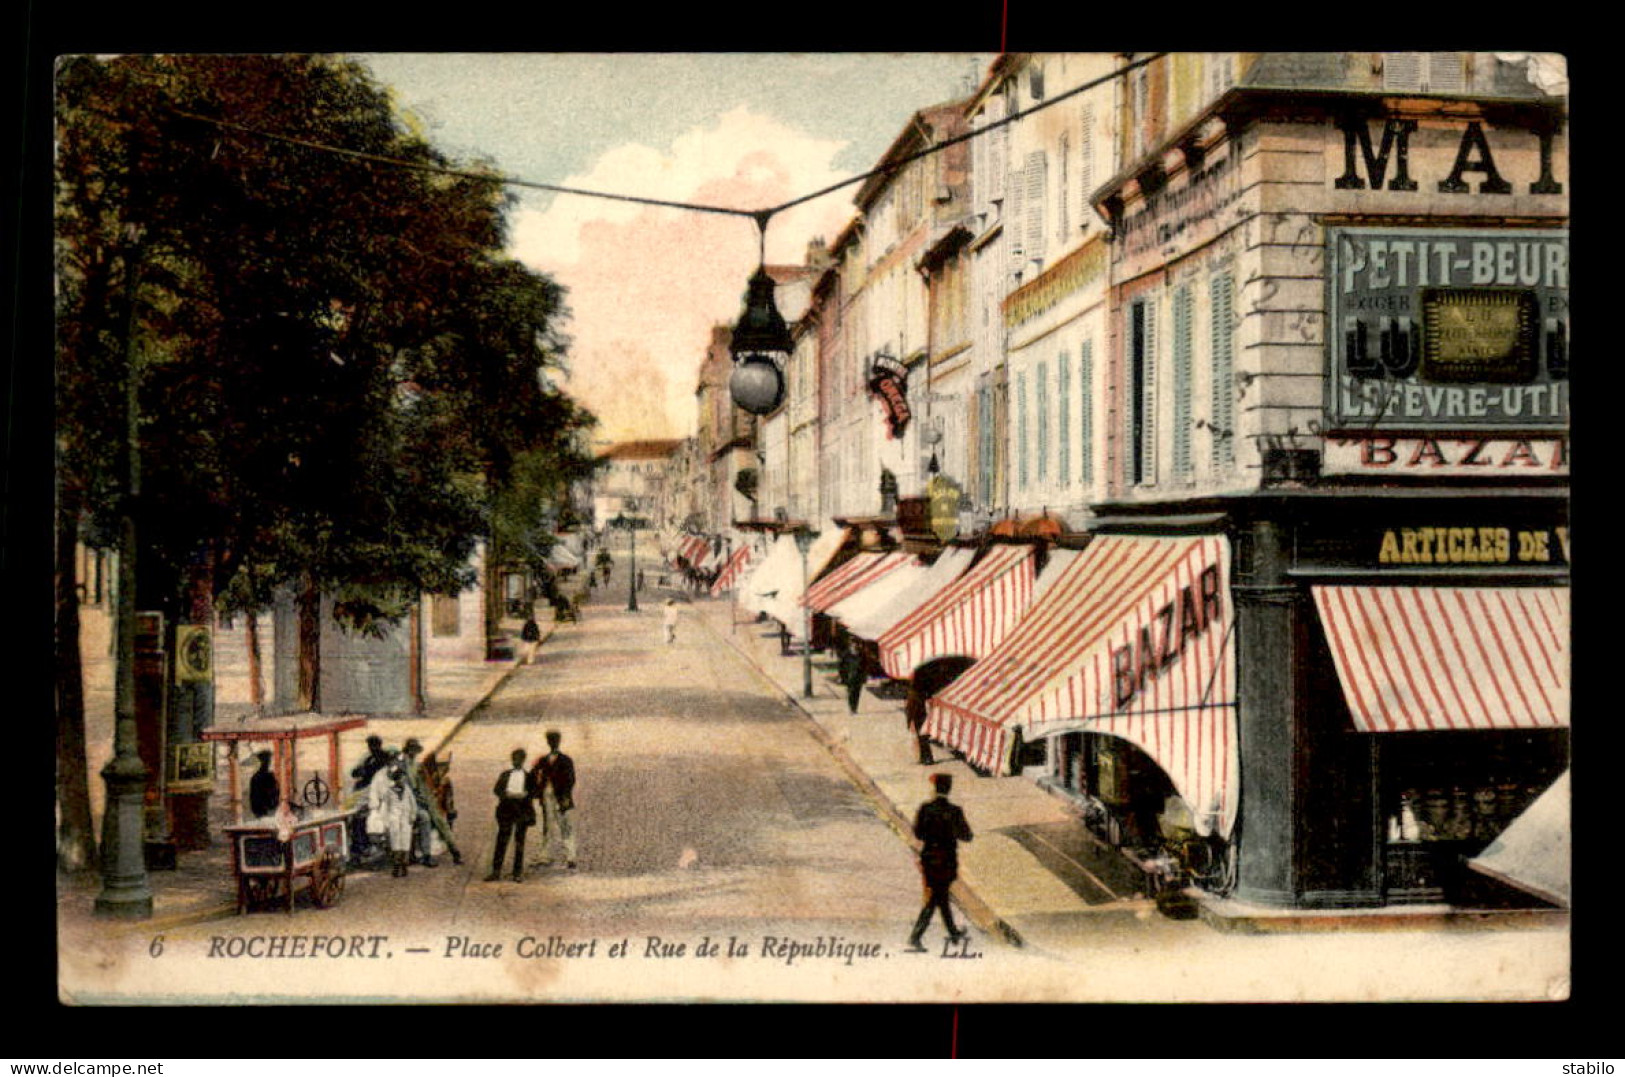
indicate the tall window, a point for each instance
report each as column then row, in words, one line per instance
column 984, row 444
column 1086, row 164
column 1063, row 420
column 1221, row 302
column 1021, row 429
column 1142, row 460
column 1182, row 384
column 1063, row 202
column 1086, row 413
column 1041, row 443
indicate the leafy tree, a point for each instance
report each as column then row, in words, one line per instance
column 336, row 369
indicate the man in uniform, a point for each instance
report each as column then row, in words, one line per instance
column 940, row 825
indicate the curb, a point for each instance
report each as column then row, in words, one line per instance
column 974, row 906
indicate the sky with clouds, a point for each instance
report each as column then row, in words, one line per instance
column 745, row 131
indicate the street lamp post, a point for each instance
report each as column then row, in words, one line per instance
column 804, row 540
column 630, row 524
column 126, row 892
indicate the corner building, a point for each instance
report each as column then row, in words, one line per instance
column 1339, row 351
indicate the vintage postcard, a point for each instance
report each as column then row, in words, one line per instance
column 829, row 527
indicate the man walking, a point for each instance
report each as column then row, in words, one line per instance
column 515, row 815
column 668, row 621
column 554, row 781
column 940, row 825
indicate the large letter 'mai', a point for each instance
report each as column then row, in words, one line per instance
column 1396, row 136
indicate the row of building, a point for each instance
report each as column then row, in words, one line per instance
column 1261, row 360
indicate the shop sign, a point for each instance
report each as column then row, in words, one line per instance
column 945, row 496
column 1474, row 546
column 1165, row 637
column 1075, row 271
column 1377, row 454
column 1447, row 160
column 1448, row 329
column 888, row 381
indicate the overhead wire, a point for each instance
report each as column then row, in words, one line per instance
column 761, row 216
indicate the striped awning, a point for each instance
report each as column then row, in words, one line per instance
column 1441, row 658
column 871, row 621
column 693, row 548
column 850, row 578
column 776, row 585
column 863, row 604
column 968, row 617
column 732, row 572
column 1130, row 639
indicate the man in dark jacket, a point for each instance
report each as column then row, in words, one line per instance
column 940, row 825
column 515, row 815
column 554, row 778
column 264, row 791
column 850, row 669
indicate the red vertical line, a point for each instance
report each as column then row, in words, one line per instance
column 1534, row 618
column 1478, row 610
column 1409, row 654
column 1448, row 623
column 1485, row 665
column 1518, row 628
column 953, row 1041
column 1344, row 635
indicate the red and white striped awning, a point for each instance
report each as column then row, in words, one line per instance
column 1131, row 639
column 870, row 614
column 968, row 617
column 1422, row 658
column 693, row 548
column 852, row 577
column 738, row 563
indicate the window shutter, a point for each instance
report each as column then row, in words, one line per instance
column 1021, row 429
column 1041, row 443
column 1086, row 413
column 1063, row 420
column 1221, row 302
column 1037, row 179
column 999, row 163
column 1148, row 399
column 1063, row 203
column 1182, row 383
column 1086, row 164
column 1402, row 71
column 1015, row 206
column 1445, row 74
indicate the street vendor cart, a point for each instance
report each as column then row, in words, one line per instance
column 304, row 845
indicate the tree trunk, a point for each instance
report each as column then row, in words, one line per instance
column 310, row 641
column 256, row 681
column 76, row 837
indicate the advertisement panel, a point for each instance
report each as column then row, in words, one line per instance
column 1448, row 329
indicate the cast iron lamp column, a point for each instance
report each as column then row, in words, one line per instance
column 804, row 540
column 126, row 892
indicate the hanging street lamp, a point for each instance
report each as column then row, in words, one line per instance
column 761, row 341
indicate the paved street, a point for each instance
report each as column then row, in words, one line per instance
column 710, row 811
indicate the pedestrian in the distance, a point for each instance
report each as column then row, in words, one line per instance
column 914, row 716
column 850, row 671
column 668, row 620
column 515, row 815
column 940, row 825
column 531, row 636
column 554, row 781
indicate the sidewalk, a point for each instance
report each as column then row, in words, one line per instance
column 202, row 887
column 1021, row 877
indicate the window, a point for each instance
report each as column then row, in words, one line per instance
column 1221, row 300
column 1086, row 164
column 1041, row 443
column 1423, row 72
column 1182, row 384
column 1063, row 420
column 1021, row 428
column 1142, row 459
column 984, row 444
column 1037, row 174
column 1086, row 413
column 1064, row 224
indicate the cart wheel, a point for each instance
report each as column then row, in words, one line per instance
column 327, row 880
column 316, row 793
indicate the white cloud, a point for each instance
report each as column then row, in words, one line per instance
column 645, row 283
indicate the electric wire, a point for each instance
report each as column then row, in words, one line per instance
column 761, row 216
